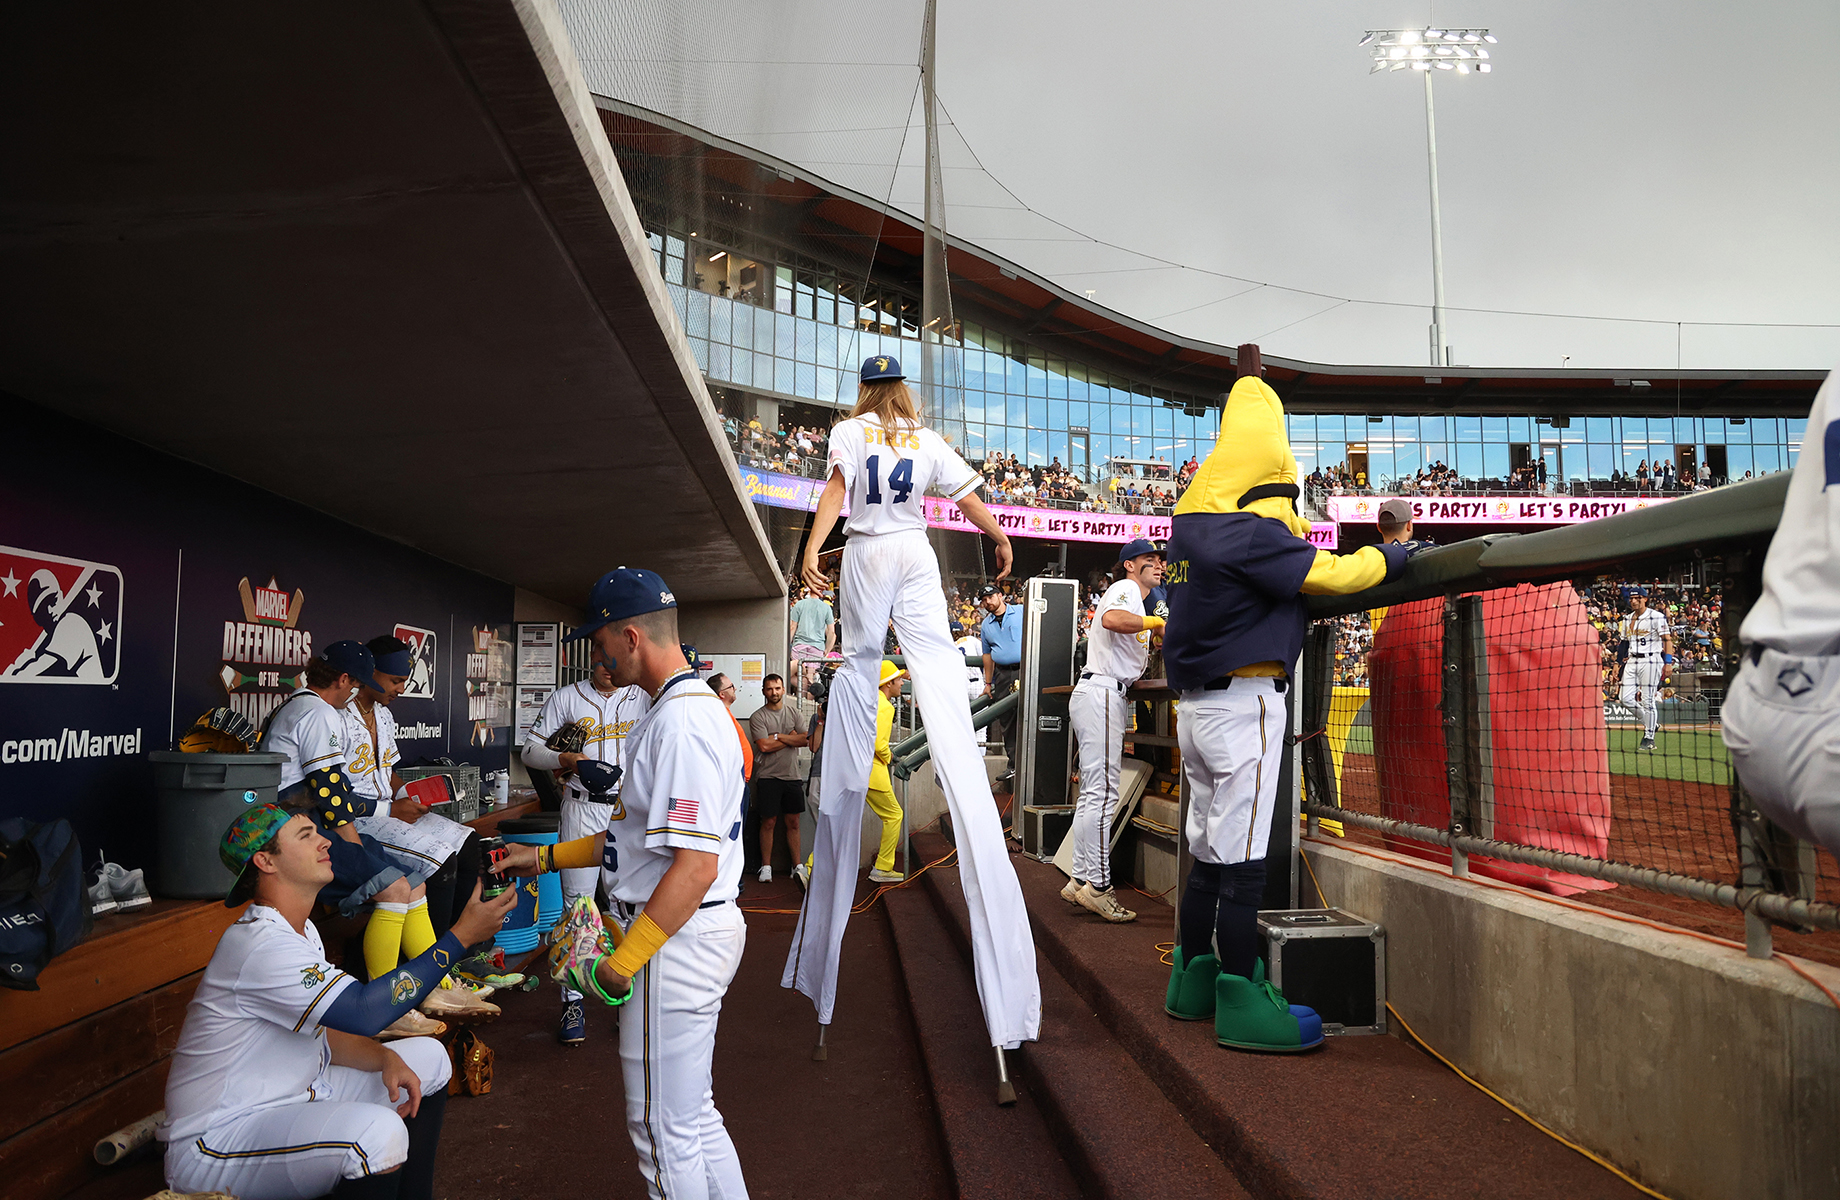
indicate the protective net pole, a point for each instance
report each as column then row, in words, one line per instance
column 942, row 380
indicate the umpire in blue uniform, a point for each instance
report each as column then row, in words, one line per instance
column 1240, row 563
column 1001, row 631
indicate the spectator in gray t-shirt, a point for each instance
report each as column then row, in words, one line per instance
column 775, row 729
column 814, row 635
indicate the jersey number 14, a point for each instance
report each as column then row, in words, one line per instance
column 900, row 480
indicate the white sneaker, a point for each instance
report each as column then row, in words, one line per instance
column 1071, row 893
column 881, row 876
column 802, row 874
column 1105, row 904
column 128, row 887
column 101, row 900
column 766, row 874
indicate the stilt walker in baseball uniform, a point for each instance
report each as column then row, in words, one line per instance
column 1784, row 706
column 1651, row 652
column 671, row 860
column 1240, row 563
column 606, row 714
column 884, row 460
column 277, row 1090
column 1117, row 648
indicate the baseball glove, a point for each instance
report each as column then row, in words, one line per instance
column 571, row 737
column 220, row 731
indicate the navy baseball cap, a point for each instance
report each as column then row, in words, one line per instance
column 392, row 655
column 351, row 658
column 621, row 593
column 1137, row 548
column 881, row 367
column 1638, row 591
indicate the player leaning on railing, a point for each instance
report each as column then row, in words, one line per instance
column 1240, row 563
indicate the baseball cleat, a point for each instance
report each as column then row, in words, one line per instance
column 482, row 990
column 1647, row 743
column 1104, row 903
column 128, row 888
column 574, row 1029
column 881, row 876
column 581, row 941
column 766, row 874
column 1071, row 893
column 457, row 1005
column 412, row 1024
column 581, row 919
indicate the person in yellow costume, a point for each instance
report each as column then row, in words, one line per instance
column 881, row 788
column 1240, row 564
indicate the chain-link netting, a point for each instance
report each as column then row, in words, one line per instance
column 1582, row 719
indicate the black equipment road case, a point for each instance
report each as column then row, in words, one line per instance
column 1331, row 961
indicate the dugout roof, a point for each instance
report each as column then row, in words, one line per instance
column 374, row 257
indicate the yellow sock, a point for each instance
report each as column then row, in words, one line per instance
column 417, row 930
column 383, row 938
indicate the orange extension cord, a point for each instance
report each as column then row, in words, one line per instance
column 1615, row 916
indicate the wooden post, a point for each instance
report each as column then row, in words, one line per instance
column 1248, row 361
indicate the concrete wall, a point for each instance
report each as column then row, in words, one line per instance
column 738, row 627
column 1705, row 1074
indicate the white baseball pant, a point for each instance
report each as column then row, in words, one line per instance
column 1781, row 722
column 1232, row 746
column 1099, row 714
column 302, row 1150
column 579, row 818
column 667, row 1044
column 896, row 576
column 1641, row 689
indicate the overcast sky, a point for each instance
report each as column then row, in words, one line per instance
column 1673, row 162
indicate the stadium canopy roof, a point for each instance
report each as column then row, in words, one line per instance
column 375, row 258
column 813, row 213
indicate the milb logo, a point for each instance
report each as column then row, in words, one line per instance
column 60, row 619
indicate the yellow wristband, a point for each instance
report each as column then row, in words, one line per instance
column 564, row 856
column 642, row 941
column 1154, row 622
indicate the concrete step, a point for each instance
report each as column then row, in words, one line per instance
column 1358, row 1118
column 991, row 1151
column 1118, row 1131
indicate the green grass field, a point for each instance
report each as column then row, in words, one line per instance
column 1690, row 755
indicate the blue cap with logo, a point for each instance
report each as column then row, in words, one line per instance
column 392, row 655
column 621, row 593
column 351, row 658
column 1137, row 548
column 881, row 367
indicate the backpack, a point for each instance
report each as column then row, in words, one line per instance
column 44, row 907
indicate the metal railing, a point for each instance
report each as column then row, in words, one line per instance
column 1501, row 730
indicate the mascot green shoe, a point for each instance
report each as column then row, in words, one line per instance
column 1251, row 1014
column 1191, row 987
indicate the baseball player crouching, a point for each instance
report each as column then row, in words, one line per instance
column 1651, row 652
column 671, row 860
column 1117, row 649
column 1783, row 707
column 277, row 1090
column 604, row 714
column 1240, row 563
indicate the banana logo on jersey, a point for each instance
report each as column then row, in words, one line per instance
column 311, row 977
column 406, row 987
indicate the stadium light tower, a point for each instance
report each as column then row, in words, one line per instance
column 1427, row 51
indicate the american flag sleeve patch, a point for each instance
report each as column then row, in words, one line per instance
column 681, row 810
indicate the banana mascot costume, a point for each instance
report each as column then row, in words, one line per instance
column 1240, row 563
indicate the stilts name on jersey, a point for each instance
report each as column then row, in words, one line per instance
column 875, row 435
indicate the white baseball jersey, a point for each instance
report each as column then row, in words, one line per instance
column 682, row 791
column 309, row 731
column 1645, row 631
column 1118, row 655
column 887, row 472
column 1799, row 609
column 419, row 847
column 252, row 1038
column 611, row 720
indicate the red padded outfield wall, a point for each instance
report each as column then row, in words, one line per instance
column 1547, row 733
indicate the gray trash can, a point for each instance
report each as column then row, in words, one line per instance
column 196, row 796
